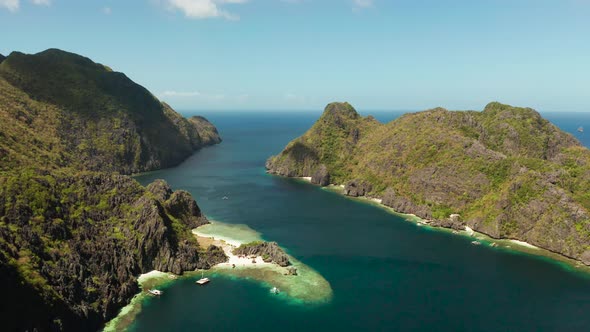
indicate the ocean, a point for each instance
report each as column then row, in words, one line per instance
column 386, row 274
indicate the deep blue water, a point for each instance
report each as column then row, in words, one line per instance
column 386, row 274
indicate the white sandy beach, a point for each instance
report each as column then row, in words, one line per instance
column 228, row 245
column 524, row 244
column 151, row 275
column 307, row 285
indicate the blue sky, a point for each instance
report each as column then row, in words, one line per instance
column 302, row 54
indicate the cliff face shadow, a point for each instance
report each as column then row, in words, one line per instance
column 301, row 152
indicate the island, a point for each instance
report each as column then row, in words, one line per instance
column 75, row 229
column 504, row 171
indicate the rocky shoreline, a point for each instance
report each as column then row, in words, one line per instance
column 511, row 244
column 504, row 171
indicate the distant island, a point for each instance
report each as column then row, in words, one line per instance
column 504, row 171
column 75, row 229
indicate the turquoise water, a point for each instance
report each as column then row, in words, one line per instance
column 385, row 273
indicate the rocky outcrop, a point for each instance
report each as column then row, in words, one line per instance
column 321, row 176
column 270, row 252
column 506, row 171
column 80, row 241
column 207, row 131
column 179, row 204
column 356, row 188
column 291, row 271
column 210, row 257
column 404, row 205
column 341, row 127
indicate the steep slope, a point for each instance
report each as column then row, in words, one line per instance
column 85, row 114
column 507, row 171
column 78, row 241
column 74, row 232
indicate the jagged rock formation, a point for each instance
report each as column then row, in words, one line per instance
column 78, row 241
column 270, row 252
column 74, row 233
column 321, row 176
column 356, row 188
column 291, row 271
column 507, row 171
column 62, row 109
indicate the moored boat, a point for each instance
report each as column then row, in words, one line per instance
column 155, row 292
column 203, row 280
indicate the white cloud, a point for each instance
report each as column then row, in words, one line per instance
column 14, row 5
column 107, row 10
column 41, row 2
column 200, row 9
column 180, row 94
column 363, row 3
column 11, row 5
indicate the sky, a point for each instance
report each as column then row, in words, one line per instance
column 302, row 54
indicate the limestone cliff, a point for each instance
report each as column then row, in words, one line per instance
column 74, row 232
column 75, row 244
column 506, row 171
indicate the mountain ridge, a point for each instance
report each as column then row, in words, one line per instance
column 100, row 116
column 506, row 171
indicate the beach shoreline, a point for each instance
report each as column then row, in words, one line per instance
column 509, row 245
column 229, row 245
column 298, row 283
column 306, row 287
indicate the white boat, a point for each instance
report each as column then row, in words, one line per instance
column 275, row 290
column 203, row 280
column 581, row 129
column 225, row 198
column 155, row 292
column 476, row 243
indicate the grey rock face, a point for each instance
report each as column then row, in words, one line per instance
column 404, row 205
column 321, row 176
column 357, row 188
column 270, row 251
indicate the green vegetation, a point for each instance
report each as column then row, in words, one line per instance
column 74, row 233
column 62, row 109
column 507, row 171
column 243, row 247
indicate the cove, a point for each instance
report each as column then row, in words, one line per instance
column 385, row 273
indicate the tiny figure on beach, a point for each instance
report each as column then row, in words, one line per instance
column 233, row 266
